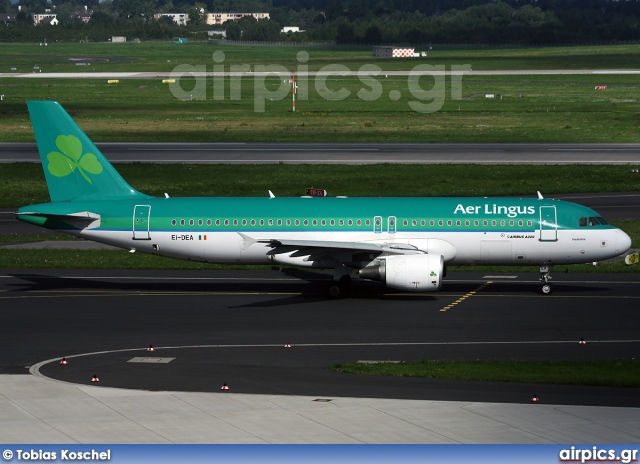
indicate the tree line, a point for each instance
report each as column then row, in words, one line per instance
column 343, row 21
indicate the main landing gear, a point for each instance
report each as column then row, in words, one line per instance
column 341, row 284
column 545, row 277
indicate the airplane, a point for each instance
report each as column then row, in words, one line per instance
column 406, row 243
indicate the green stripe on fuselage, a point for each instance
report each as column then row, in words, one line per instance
column 513, row 214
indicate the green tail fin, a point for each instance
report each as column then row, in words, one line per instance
column 73, row 166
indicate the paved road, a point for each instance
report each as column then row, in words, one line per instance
column 232, row 326
column 343, row 153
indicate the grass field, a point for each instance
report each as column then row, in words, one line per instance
column 619, row 373
column 550, row 108
column 164, row 56
column 23, row 183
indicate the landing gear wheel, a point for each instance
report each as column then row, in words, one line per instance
column 335, row 291
column 547, row 289
column 340, row 288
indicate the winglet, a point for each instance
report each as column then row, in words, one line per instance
column 540, row 197
column 271, row 195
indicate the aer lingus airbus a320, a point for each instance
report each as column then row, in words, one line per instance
column 404, row 242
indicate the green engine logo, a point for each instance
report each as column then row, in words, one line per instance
column 433, row 274
column 72, row 158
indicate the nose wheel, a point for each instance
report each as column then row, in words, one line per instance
column 545, row 277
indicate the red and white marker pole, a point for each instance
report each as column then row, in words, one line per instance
column 292, row 81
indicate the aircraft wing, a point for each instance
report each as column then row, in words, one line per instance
column 399, row 248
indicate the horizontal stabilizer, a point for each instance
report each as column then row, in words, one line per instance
column 79, row 220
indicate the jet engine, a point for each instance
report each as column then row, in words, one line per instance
column 416, row 273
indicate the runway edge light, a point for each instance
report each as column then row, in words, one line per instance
column 150, row 349
column 224, row 387
column 95, row 378
column 582, row 342
column 64, row 362
column 535, row 399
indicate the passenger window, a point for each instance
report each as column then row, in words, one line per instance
column 226, row 222
column 199, row 222
column 432, row 223
column 191, row 222
column 173, row 222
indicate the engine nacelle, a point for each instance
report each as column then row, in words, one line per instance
column 415, row 273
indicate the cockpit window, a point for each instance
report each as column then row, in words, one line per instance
column 592, row 221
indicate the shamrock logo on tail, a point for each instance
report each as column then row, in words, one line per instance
column 63, row 164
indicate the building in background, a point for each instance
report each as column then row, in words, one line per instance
column 213, row 19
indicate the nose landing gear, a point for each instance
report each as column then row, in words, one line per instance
column 545, row 277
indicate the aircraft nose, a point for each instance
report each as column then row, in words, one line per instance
column 623, row 241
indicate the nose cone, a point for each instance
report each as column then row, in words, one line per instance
column 623, row 241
